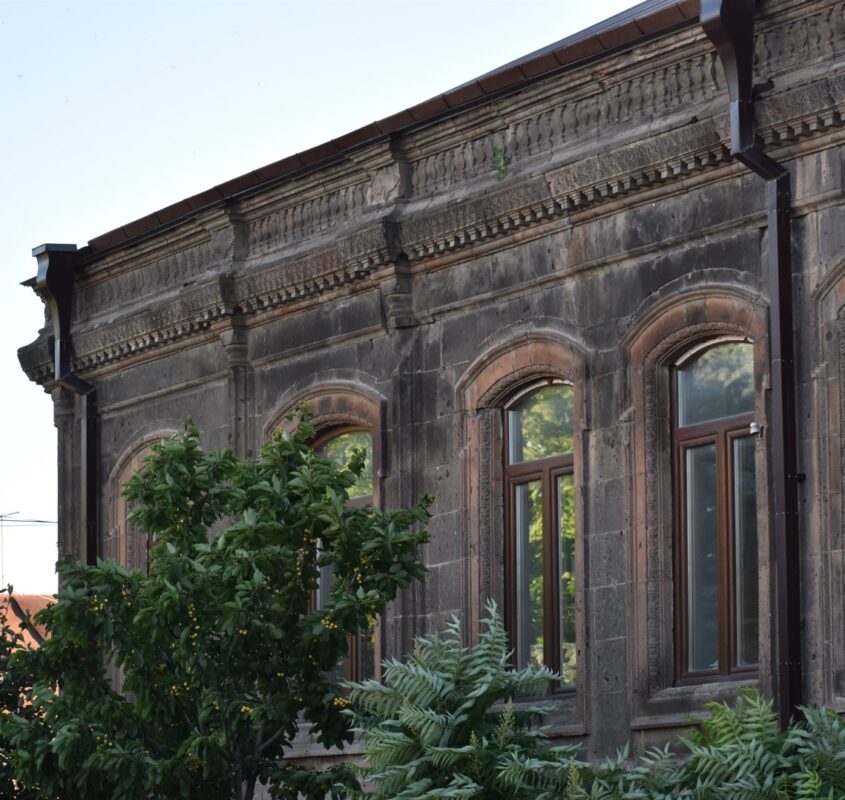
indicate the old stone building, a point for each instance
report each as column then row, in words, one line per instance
column 543, row 297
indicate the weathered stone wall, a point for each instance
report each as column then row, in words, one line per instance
column 577, row 228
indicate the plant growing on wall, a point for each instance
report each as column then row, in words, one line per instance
column 444, row 725
column 222, row 653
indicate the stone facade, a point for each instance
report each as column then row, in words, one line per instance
column 579, row 227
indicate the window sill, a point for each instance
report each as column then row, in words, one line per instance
column 679, row 706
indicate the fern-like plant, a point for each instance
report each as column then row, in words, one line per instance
column 737, row 754
column 443, row 724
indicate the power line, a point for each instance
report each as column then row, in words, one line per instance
column 27, row 523
column 3, row 518
column 12, row 520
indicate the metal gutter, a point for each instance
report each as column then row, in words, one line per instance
column 729, row 24
column 54, row 283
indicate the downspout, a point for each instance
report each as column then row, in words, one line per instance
column 729, row 24
column 54, row 283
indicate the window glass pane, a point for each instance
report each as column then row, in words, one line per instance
column 339, row 450
column 541, row 425
column 528, row 511
column 702, row 560
column 325, row 581
column 745, row 546
column 718, row 384
column 566, row 562
column 365, row 644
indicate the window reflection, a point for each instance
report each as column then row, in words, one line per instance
column 540, row 426
column 361, row 662
column 529, row 577
column 717, row 583
column 541, row 500
column 702, row 559
column 339, row 450
column 718, row 384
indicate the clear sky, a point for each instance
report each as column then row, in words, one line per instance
column 111, row 110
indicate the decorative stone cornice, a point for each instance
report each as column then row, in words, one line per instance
column 808, row 110
column 36, row 360
column 637, row 166
column 477, row 219
column 155, row 326
column 125, row 288
column 314, row 273
column 572, row 142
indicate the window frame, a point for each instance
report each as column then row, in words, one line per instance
column 722, row 433
column 547, row 470
column 123, row 541
column 327, row 434
column 672, row 322
column 352, row 662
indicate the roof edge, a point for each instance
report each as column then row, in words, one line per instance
column 644, row 22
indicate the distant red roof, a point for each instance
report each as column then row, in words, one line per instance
column 17, row 607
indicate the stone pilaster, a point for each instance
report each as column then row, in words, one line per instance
column 239, row 391
column 67, row 435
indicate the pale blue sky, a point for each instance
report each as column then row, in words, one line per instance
column 110, row 110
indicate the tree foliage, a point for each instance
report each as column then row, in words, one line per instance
column 221, row 650
column 443, row 723
column 737, row 754
column 15, row 682
column 444, row 726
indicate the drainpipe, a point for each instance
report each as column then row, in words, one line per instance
column 729, row 24
column 54, row 283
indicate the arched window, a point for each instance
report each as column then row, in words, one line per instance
column 716, row 564
column 540, row 527
column 124, row 542
column 337, row 445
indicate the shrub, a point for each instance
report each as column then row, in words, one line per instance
column 444, row 725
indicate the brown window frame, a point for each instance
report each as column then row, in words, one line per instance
column 722, row 433
column 546, row 470
column 352, row 661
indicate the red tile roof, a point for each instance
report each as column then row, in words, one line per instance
column 17, row 607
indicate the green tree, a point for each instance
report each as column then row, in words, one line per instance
column 14, row 684
column 222, row 652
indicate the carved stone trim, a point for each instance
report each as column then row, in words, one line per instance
column 346, row 261
column 477, row 219
column 283, row 247
column 660, row 335
column 825, row 628
column 636, row 166
column 124, row 542
column 309, row 217
column 190, row 313
column 521, row 358
column 146, row 278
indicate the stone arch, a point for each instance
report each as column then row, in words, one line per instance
column 515, row 360
column 662, row 332
column 123, row 543
column 823, row 529
column 335, row 404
